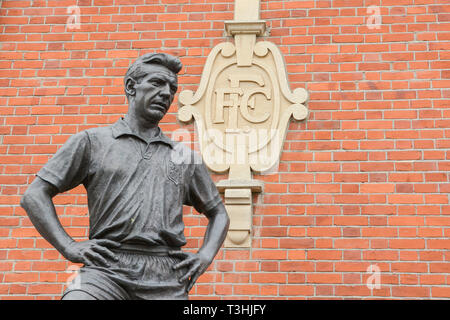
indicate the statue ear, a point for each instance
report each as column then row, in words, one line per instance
column 129, row 87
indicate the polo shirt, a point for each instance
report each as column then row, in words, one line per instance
column 136, row 189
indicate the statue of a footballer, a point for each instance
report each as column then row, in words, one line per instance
column 135, row 197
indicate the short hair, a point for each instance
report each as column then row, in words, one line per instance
column 136, row 72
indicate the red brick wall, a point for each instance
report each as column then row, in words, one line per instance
column 363, row 181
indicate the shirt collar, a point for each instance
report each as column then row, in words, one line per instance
column 121, row 127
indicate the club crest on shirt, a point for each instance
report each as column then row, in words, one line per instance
column 173, row 172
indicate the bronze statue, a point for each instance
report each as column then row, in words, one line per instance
column 137, row 184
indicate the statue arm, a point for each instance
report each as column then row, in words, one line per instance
column 215, row 234
column 216, row 231
column 37, row 202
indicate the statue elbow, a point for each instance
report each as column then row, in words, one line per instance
column 29, row 197
column 226, row 219
column 38, row 191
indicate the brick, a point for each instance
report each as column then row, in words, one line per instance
column 296, row 290
column 407, row 244
column 324, row 278
column 45, row 288
column 296, row 243
column 440, row 292
column 352, row 290
column 246, row 289
column 438, row 243
column 410, row 291
column 324, row 255
column 269, row 254
column 405, row 199
column 269, row 278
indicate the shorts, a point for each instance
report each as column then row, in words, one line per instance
column 137, row 275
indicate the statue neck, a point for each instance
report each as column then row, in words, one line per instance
column 143, row 129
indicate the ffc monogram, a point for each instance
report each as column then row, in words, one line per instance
column 236, row 97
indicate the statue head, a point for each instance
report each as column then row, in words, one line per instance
column 150, row 85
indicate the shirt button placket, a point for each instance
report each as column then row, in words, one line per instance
column 148, row 153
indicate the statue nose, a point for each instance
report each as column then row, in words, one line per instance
column 165, row 91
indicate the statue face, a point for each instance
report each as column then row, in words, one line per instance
column 154, row 93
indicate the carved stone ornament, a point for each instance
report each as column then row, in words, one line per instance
column 242, row 110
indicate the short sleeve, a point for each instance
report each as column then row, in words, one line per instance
column 201, row 191
column 69, row 166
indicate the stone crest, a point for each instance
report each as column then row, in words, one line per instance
column 242, row 110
